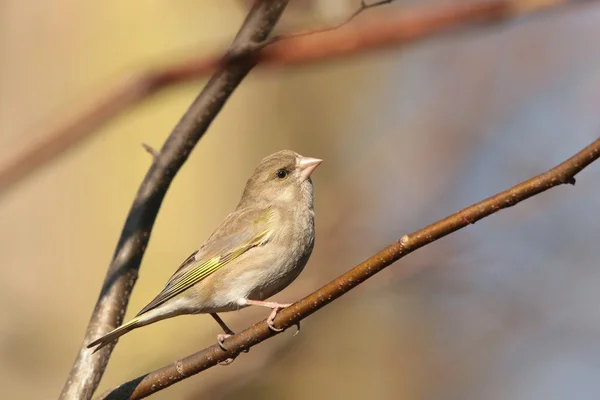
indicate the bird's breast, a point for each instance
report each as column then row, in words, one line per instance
column 267, row 269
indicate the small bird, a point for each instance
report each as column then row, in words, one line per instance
column 257, row 251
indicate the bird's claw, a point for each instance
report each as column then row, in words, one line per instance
column 220, row 339
column 227, row 362
column 273, row 328
column 272, row 316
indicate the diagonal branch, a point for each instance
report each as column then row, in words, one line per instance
column 123, row 271
column 393, row 29
column 210, row 356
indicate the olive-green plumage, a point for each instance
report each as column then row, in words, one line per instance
column 258, row 250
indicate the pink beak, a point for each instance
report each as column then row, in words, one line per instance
column 307, row 165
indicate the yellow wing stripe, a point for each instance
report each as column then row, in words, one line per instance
column 203, row 270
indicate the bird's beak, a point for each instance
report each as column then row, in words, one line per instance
column 307, row 165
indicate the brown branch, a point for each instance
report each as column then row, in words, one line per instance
column 122, row 273
column 389, row 30
column 210, row 356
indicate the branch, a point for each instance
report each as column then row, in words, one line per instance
column 123, row 271
column 290, row 316
column 341, row 40
column 363, row 6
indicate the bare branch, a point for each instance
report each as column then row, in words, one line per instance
column 181, row 369
column 342, row 40
column 123, row 271
column 363, row 6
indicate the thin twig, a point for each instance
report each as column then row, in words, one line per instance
column 123, row 271
column 151, row 150
column 394, row 29
column 363, row 6
column 181, row 369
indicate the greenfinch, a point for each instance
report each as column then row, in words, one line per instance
column 257, row 251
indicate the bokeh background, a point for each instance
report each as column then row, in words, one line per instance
column 505, row 309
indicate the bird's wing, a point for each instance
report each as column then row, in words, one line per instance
column 241, row 231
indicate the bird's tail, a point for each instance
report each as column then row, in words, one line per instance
column 115, row 334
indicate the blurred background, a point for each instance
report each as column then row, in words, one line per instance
column 505, row 309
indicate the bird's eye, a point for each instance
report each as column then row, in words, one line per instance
column 282, row 173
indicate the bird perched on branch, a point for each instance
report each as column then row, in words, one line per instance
column 257, row 251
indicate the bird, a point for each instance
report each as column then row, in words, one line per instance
column 257, row 251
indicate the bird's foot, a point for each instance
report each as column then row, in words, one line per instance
column 275, row 307
column 227, row 362
column 272, row 316
column 221, row 338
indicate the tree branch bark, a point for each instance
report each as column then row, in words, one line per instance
column 184, row 368
column 123, row 271
column 298, row 48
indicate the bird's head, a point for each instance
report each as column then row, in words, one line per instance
column 281, row 177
